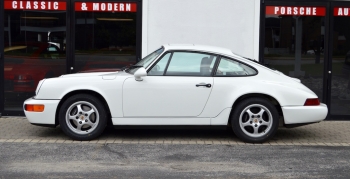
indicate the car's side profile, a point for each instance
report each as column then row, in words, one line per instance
column 177, row 85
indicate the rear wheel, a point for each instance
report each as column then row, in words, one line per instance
column 83, row 117
column 255, row 120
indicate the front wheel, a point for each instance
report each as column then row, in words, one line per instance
column 255, row 120
column 83, row 117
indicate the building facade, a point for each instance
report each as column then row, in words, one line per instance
column 48, row 38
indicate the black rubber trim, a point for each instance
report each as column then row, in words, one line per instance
column 298, row 125
column 222, row 127
column 45, row 125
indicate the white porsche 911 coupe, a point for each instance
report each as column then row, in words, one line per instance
column 177, row 85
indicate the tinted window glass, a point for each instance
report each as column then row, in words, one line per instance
column 190, row 64
column 229, row 67
column 34, row 48
column 104, row 37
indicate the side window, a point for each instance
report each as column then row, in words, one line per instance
column 159, row 68
column 190, row 64
column 228, row 67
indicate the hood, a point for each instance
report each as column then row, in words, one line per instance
column 88, row 74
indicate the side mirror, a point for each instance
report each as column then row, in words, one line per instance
column 140, row 73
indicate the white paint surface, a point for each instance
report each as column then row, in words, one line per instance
column 232, row 24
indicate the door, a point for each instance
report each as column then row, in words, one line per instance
column 179, row 85
column 295, row 42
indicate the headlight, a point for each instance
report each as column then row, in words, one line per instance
column 39, row 85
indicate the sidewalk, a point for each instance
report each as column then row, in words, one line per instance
column 326, row 133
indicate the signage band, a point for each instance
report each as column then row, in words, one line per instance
column 105, row 7
column 296, row 10
column 341, row 11
column 34, row 5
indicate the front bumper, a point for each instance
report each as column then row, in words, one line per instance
column 45, row 117
column 304, row 114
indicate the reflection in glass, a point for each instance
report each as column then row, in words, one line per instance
column 340, row 88
column 35, row 43
column 294, row 45
column 104, row 41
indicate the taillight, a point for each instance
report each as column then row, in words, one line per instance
column 34, row 107
column 312, row 102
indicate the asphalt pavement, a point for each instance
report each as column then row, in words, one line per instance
column 314, row 151
column 43, row 160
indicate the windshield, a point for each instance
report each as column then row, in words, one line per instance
column 145, row 61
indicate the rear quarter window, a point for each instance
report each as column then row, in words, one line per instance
column 230, row 67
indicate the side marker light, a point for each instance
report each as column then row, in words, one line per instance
column 34, row 107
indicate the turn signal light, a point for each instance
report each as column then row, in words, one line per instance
column 312, row 102
column 34, row 107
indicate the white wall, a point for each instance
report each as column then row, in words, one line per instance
column 232, row 24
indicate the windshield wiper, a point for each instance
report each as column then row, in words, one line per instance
column 135, row 66
column 130, row 67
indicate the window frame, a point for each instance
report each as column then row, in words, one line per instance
column 230, row 58
column 159, row 59
column 216, row 58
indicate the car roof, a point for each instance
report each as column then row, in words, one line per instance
column 195, row 47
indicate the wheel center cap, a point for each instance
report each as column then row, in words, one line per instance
column 82, row 117
column 255, row 120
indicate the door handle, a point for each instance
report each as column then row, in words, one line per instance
column 203, row 84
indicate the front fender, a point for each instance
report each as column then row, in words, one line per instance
column 110, row 90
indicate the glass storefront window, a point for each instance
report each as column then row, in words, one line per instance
column 34, row 48
column 340, row 88
column 294, row 43
column 107, row 36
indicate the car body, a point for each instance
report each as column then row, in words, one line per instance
column 177, row 85
column 310, row 52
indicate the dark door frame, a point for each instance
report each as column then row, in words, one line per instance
column 328, row 36
column 2, row 72
column 70, row 44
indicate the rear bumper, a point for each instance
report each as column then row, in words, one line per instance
column 45, row 117
column 304, row 114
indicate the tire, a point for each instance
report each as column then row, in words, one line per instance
column 255, row 120
column 83, row 117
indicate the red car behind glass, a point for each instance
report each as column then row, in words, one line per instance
column 104, row 66
column 27, row 64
